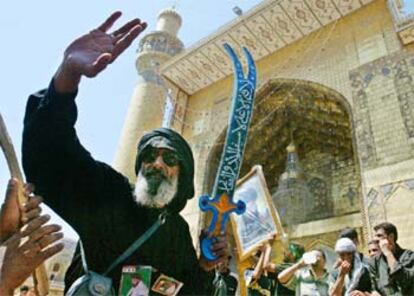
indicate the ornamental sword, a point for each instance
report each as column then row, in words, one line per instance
column 221, row 202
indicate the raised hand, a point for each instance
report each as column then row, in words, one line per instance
column 385, row 246
column 344, row 268
column 25, row 238
column 23, row 256
column 92, row 52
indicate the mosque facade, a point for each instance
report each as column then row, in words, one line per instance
column 335, row 95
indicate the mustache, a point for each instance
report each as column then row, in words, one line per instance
column 152, row 172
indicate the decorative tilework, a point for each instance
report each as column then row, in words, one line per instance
column 386, row 189
column 324, row 10
column 347, row 6
column 266, row 34
column 410, row 184
column 301, row 14
column 218, row 57
column 205, row 65
column 265, row 29
column 247, row 39
column 281, row 22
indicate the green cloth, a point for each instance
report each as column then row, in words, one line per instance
column 398, row 282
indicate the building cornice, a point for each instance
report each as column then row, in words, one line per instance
column 265, row 29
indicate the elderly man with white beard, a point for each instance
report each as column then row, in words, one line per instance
column 97, row 201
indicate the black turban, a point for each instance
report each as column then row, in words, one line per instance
column 186, row 177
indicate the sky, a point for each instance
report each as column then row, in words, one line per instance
column 35, row 34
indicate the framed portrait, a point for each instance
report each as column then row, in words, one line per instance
column 166, row 286
column 260, row 220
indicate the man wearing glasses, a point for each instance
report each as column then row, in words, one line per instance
column 98, row 202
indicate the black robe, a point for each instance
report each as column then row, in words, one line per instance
column 97, row 201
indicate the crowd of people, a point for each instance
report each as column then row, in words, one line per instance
column 387, row 270
column 109, row 213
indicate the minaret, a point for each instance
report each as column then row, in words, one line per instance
column 147, row 104
column 293, row 198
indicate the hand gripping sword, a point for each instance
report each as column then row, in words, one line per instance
column 221, row 202
column 40, row 277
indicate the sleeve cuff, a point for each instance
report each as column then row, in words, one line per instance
column 61, row 97
column 61, row 105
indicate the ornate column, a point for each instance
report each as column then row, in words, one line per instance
column 147, row 104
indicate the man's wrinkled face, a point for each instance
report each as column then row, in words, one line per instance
column 158, row 177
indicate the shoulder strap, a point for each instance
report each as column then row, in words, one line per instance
column 135, row 245
column 83, row 257
column 132, row 248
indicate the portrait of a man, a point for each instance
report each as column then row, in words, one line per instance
column 257, row 223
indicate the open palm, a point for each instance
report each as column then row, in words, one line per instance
column 92, row 52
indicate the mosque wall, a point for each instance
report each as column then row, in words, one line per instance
column 339, row 195
column 330, row 57
column 383, row 92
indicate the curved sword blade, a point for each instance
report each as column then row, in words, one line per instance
column 221, row 204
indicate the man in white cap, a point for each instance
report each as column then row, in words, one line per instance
column 352, row 276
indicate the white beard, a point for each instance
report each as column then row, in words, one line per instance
column 165, row 193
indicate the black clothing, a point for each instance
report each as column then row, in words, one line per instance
column 231, row 284
column 97, row 201
column 263, row 286
column 225, row 284
column 398, row 282
column 361, row 283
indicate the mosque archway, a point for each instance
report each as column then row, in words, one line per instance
column 319, row 122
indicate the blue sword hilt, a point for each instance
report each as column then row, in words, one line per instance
column 221, row 207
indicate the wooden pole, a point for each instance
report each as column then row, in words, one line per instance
column 40, row 279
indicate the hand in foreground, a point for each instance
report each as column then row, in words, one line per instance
column 26, row 247
column 385, row 246
column 92, row 52
column 344, row 268
column 10, row 218
column 219, row 248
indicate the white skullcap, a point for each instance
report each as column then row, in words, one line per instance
column 345, row 245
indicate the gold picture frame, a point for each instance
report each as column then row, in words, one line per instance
column 260, row 221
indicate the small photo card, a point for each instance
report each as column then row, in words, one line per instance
column 135, row 280
column 166, row 285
